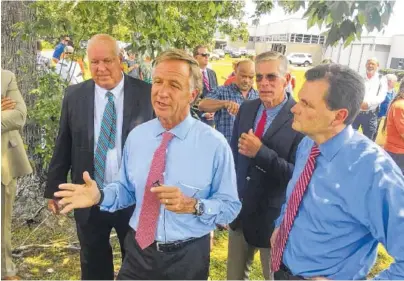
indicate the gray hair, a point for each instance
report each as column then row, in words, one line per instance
column 391, row 77
column 346, row 88
column 374, row 59
column 271, row 56
column 195, row 79
column 104, row 38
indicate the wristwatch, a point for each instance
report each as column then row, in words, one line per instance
column 199, row 208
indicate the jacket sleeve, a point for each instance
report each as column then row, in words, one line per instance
column 14, row 119
column 61, row 159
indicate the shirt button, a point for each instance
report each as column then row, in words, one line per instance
column 209, row 210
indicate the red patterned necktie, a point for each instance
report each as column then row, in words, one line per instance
column 149, row 213
column 205, row 80
column 291, row 209
column 261, row 125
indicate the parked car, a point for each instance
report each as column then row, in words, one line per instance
column 219, row 52
column 235, row 54
column 299, row 59
column 214, row 56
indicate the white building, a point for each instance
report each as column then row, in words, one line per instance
column 388, row 50
column 292, row 35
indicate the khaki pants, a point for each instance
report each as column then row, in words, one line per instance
column 7, row 201
column 241, row 256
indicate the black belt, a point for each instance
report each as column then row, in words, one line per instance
column 288, row 274
column 172, row 246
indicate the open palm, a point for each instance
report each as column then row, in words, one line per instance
column 75, row 196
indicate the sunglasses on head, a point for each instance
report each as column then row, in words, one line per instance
column 205, row 55
column 271, row 77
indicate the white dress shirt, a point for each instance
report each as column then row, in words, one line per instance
column 113, row 160
column 373, row 95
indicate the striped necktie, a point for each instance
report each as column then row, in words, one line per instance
column 205, row 80
column 149, row 212
column 291, row 209
column 106, row 140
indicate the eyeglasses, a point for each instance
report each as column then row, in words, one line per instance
column 271, row 77
column 205, row 55
column 68, row 53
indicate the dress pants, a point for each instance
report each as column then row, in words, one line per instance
column 241, row 255
column 96, row 252
column 7, row 200
column 187, row 262
column 368, row 121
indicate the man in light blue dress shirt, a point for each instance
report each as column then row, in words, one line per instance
column 355, row 197
column 195, row 195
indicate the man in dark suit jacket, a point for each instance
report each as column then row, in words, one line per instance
column 209, row 80
column 79, row 148
column 264, row 147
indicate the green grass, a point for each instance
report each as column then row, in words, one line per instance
column 59, row 264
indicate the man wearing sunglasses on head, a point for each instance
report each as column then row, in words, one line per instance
column 264, row 147
column 209, row 79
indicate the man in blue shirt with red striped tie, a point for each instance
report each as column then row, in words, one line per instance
column 178, row 201
column 346, row 194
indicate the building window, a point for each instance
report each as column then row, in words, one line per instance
column 314, row 39
column 292, row 37
column 251, row 39
column 299, row 38
column 322, row 40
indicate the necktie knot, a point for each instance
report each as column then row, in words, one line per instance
column 167, row 136
column 110, row 96
column 315, row 151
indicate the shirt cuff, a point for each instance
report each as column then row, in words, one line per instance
column 109, row 199
column 212, row 208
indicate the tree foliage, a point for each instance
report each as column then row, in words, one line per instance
column 344, row 20
column 151, row 26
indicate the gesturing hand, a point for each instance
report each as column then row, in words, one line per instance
column 232, row 107
column 75, row 196
column 249, row 144
column 174, row 200
column 273, row 237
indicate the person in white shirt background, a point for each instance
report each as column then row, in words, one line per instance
column 68, row 69
column 376, row 90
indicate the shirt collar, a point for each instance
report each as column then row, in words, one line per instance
column 278, row 106
column 331, row 147
column 117, row 91
column 181, row 130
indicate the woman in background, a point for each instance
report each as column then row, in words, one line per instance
column 394, row 128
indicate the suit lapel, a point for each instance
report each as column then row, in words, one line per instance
column 283, row 116
column 130, row 106
column 89, row 93
column 250, row 115
column 210, row 78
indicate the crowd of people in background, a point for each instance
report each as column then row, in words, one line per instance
column 164, row 155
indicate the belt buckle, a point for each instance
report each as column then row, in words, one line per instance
column 158, row 247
